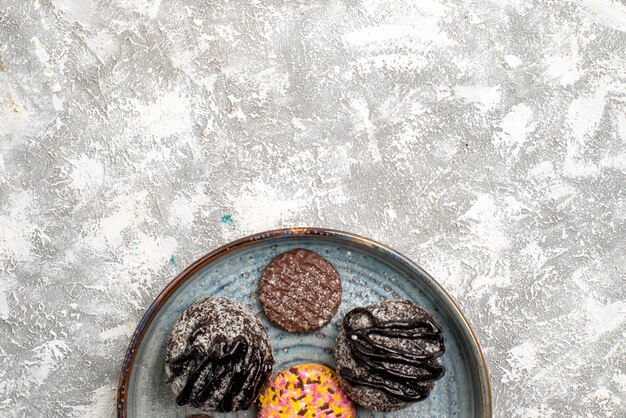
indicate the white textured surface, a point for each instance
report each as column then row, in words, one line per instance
column 486, row 140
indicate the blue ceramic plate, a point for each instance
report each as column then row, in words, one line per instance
column 369, row 272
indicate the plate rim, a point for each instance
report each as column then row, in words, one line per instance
column 298, row 232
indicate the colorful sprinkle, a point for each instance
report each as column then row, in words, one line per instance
column 307, row 390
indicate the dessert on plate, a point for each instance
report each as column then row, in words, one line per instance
column 218, row 356
column 389, row 355
column 306, row 390
column 300, row 291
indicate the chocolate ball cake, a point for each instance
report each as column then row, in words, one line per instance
column 389, row 355
column 300, row 291
column 218, row 356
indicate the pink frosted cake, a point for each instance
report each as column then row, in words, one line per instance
column 306, row 390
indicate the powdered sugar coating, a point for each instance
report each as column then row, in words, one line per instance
column 308, row 390
column 372, row 398
column 220, row 316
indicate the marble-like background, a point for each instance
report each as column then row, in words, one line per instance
column 484, row 139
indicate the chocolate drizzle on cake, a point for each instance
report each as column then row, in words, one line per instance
column 230, row 364
column 399, row 370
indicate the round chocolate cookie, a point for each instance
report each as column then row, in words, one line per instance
column 300, row 291
column 388, row 355
column 218, row 356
